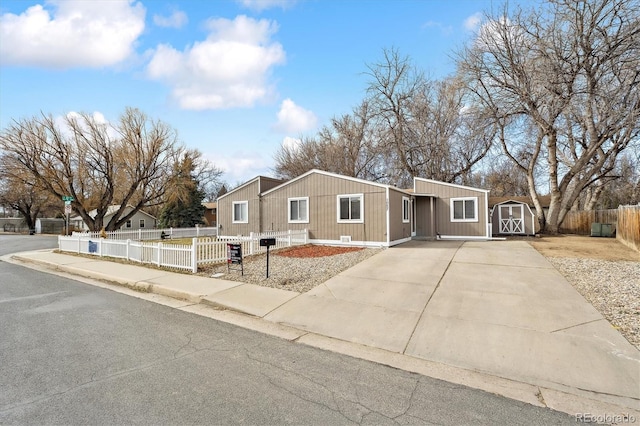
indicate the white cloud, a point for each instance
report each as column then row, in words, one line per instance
column 177, row 20
column 74, row 34
column 229, row 69
column 490, row 34
column 444, row 29
column 291, row 144
column 473, row 22
column 294, row 119
column 240, row 167
column 98, row 117
column 260, row 5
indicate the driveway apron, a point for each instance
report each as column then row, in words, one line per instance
column 497, row 307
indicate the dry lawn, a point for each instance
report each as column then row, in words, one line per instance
column 585, row 247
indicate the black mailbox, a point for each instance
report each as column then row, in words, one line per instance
column 267, row 242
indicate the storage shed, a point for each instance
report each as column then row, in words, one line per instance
column 513, row 217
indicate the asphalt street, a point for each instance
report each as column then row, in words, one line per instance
column 72, row 353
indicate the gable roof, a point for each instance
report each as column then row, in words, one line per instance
column 249, row 182
column 335, row 175
column 455, row 185
column 111, row 210
column 210, row 206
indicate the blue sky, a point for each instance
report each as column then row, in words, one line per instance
column 236, row 79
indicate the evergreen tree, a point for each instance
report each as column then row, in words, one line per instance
column 183, row 207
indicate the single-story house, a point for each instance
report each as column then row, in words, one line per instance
column 338, row 209
column 140, row 220
column 513, row 217
column 210, row 214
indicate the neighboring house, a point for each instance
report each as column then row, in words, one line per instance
column 50, row 225
column 140, row 220
column 210, row 214
column 338, row 209
column 513, row 217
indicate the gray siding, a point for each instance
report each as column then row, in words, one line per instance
column 322, row 191
column 248, row 193
column 444, row 194
column 397, row 229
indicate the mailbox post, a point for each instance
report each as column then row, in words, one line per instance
column 267, row 242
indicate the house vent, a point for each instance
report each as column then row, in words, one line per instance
column 345, row 238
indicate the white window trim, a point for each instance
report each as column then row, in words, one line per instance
column 289, row 200
column 361, row 220
column 475, row 209
column 233, row 209
column 406, row 212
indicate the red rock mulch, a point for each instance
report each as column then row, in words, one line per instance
column 316, row 251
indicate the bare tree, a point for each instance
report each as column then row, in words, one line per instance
column 347, row 146
column 98, row 164
column 427, row 127
column 18, row 192
column 562, row 82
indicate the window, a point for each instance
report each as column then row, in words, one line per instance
column 141, row 223
column 240, row 212
column 405, row 209
column 299, row 210
column 464, row 209
column 128, row 225
column 351, row 208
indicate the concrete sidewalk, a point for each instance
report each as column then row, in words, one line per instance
column 492, row 315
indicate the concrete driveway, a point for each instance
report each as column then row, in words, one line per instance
column 496, row 307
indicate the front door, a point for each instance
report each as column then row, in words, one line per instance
column 511, row 218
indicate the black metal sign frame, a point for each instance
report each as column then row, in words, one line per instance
column 234, row 257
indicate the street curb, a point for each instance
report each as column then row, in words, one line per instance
column 570, row 403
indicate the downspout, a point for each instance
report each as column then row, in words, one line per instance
column 486, row 210
column 433, row 218
column 387, row 216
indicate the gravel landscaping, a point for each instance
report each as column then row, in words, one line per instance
column 287, row 271
column 612, row 287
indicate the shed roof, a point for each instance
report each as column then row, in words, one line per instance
column 545, row 200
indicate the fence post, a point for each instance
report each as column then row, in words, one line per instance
column 194, row 254
column 306, row 236
column 128, row 242
column 159, row 246
column 171, row 232
column 197, row 231
column 289, row 238
column 100, row 247
column 251, row 237
column 78, row 245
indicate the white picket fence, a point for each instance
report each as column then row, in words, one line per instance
column 152, row 234
column 178, row 255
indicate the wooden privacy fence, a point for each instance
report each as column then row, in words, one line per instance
column 626, row 220
column 187, row 256
column 579, row 222
column 628, row 227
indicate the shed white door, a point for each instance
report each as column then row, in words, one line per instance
column 511, row 218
